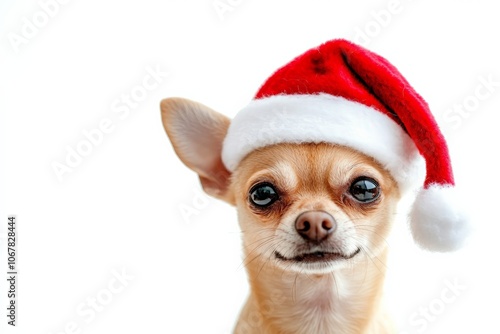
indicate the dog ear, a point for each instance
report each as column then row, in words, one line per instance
column 197, row 133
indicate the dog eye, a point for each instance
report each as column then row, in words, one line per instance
column 365, row 190
column 263, row 195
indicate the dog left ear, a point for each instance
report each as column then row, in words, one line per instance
column 197, row 133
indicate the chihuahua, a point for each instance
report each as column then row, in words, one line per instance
column 314, row 219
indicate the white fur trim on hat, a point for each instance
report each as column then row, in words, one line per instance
column 437, row 221
column 324, row 118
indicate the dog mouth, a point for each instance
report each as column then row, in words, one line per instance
column 318, row 257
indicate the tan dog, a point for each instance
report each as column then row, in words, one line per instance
column 314, row 219
column 316, row 164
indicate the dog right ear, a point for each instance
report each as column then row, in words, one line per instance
column 197, row 133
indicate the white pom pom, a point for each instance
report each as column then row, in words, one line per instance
column 437, row 220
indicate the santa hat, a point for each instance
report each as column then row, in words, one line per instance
column 343, row 94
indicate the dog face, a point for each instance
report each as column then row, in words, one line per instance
column 313, row 207
column 308, row 208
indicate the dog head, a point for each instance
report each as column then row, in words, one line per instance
column 302, row 207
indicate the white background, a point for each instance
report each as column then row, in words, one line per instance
column 120, row 208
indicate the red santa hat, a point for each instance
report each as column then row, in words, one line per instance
column 343, row 94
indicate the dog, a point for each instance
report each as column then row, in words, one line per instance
column 314, row 219
column 316, row 166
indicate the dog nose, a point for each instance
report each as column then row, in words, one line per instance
column 315, row 225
